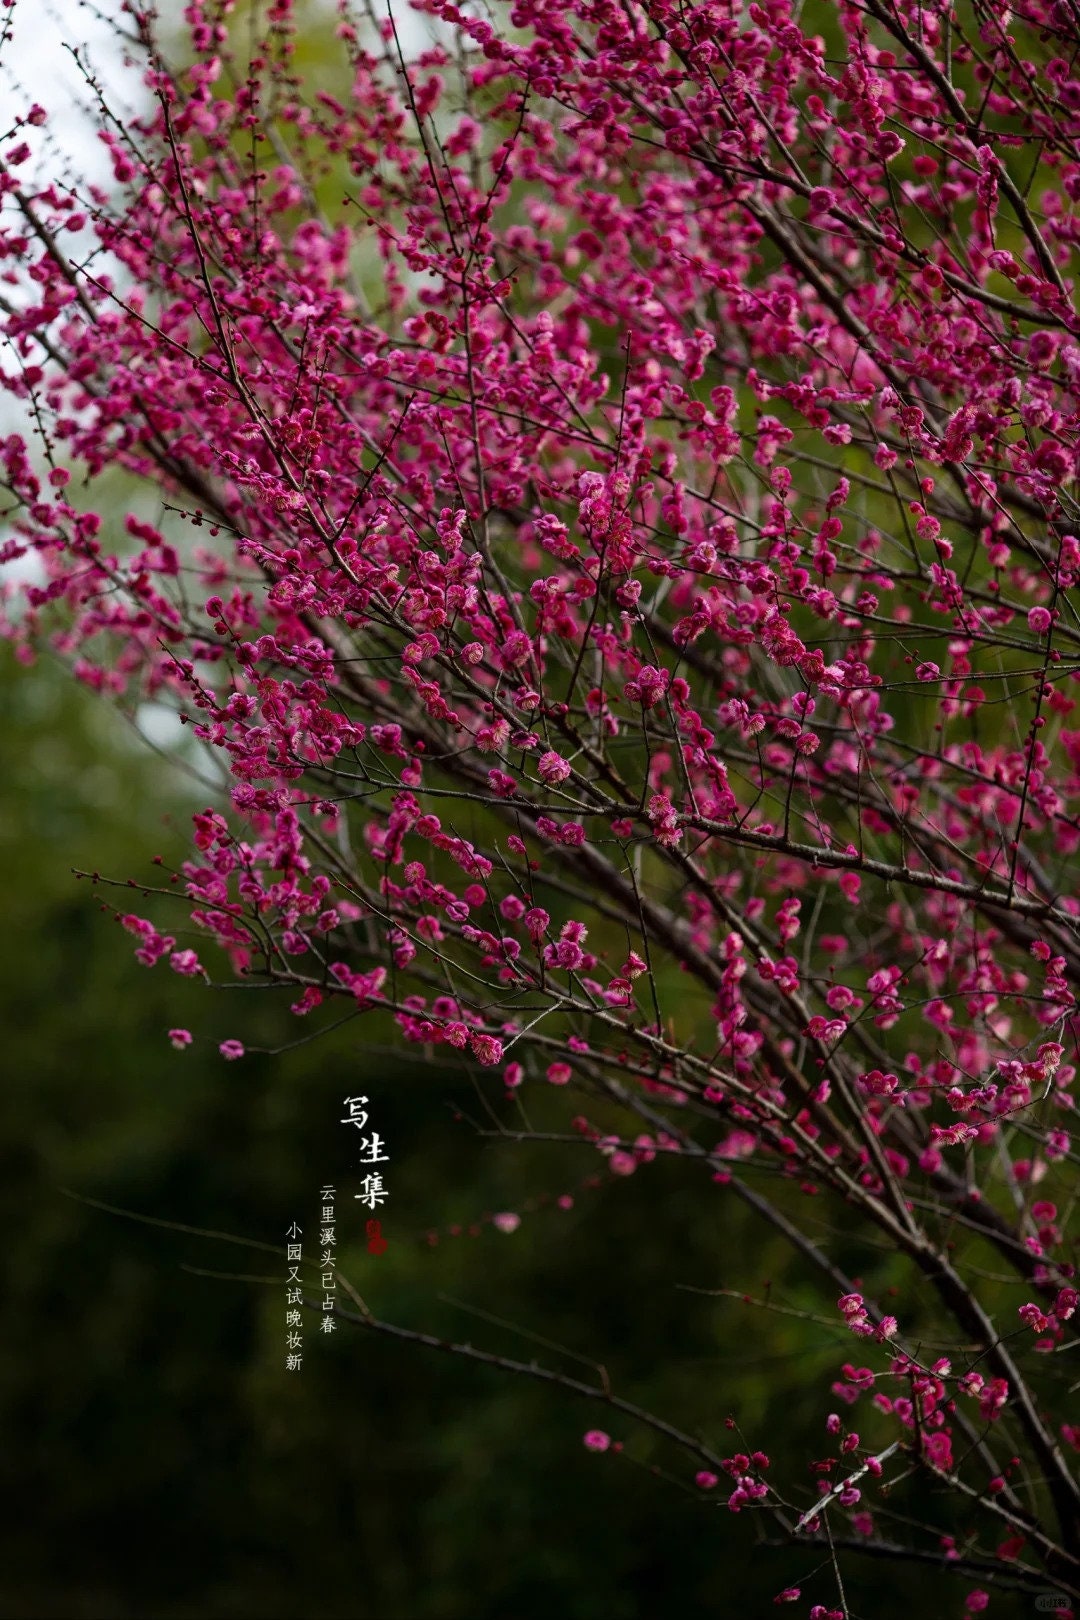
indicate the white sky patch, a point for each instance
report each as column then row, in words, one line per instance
column 160, row 725
column 50, row 51
column 40, row 55
column 37, row 65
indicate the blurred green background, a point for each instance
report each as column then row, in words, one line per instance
column 157, row 1458
column 170, row 1465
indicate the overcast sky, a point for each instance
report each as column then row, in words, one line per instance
column 35, row 65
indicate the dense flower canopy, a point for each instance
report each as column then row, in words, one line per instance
column 633, row 449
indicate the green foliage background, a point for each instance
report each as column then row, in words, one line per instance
column 164, row 1464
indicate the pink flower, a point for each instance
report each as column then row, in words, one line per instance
column 537, row 921
column 597, row 1440
column 1039, row 622
column 231, row 1050
column 180, row 1038
column 185, row 962
column 487, row 1049
column 553, row 768
column 506, row 1221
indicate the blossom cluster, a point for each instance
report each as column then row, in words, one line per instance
column 623, row 547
